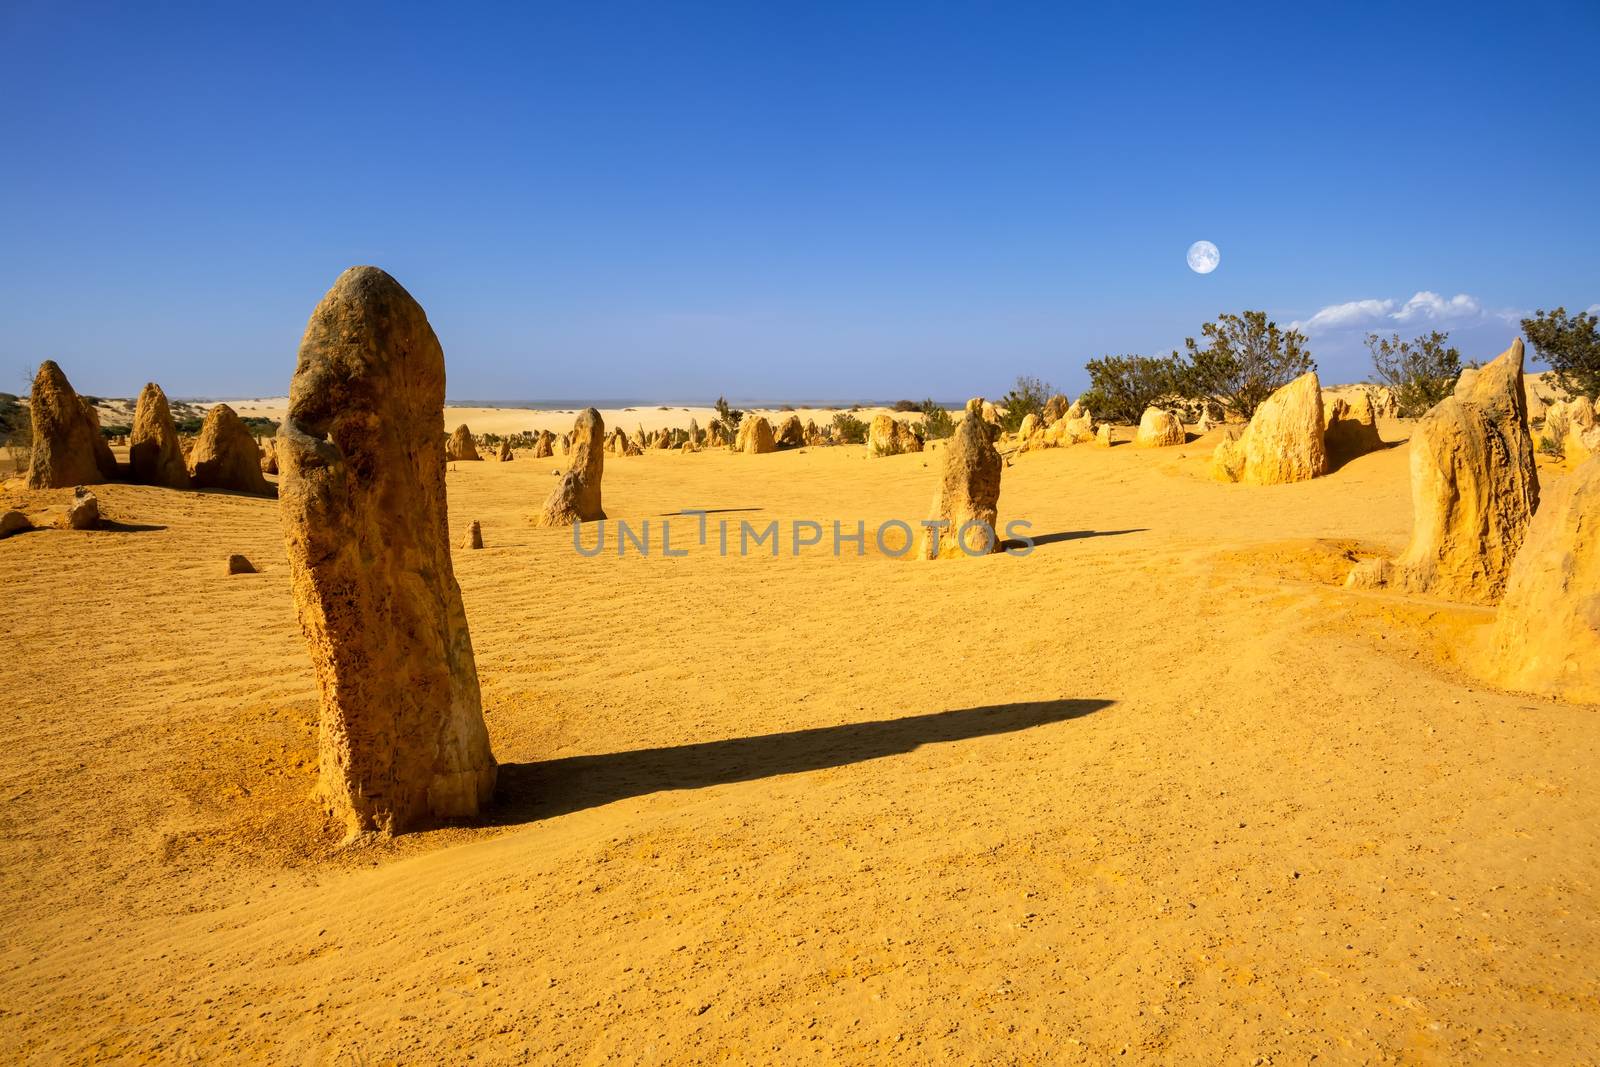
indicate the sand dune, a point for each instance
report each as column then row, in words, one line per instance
column 1161, row 786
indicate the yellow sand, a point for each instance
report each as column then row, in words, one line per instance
column 516, row 420
column 1161, row 787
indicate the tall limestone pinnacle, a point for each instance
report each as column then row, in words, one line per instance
column 402, row 739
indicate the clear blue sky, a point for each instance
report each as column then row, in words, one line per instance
column 798, row 201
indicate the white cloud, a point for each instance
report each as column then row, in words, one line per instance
column 1594, row 309
column 1426, row 305
column 1353, row 313
column 1423, row 305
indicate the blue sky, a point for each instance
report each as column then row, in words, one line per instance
column 811, row 201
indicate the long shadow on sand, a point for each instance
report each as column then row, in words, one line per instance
column 113, row 526
column 1039, row 540
column 530, row 791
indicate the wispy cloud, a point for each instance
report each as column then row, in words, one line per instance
column 1423, row 306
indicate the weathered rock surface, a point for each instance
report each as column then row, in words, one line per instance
column 1572, row 429
column 790, row 433
column 225, row 455
column 461, row 447
column 1159, row 428
column 1546, row 636
column 888, row 436
column 474, row 536
column 1283, row 443
column 1474, row 489
column 755, row 436
column 83, row 513
column 67, row 441
column 1055, row 409
column 402, row 739
column 1350, row 427
column 154, row 455
column 103, row 458
column 1079, row 428
column 576, row 497
column 968, row 493
column 1103, row 436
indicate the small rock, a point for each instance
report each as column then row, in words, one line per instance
column 474, row 538
column 84, row 511
column 238, row 564
column 14, row 522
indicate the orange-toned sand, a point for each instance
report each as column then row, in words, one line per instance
column 1161, row 787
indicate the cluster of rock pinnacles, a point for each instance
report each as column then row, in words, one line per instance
column 70, row 450
column 361, row 468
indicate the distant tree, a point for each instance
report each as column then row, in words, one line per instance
column 12, row 411
column 16, row 426
column 1419, row 372
column 904, row 406
column 728, row 419
column 1571, row 345
column 1027, row 397
column 1121, row 387
column 936, row 421
column 1245, row 359
column 849, row 430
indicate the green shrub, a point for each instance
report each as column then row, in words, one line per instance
column 1028, row 396
column 1121, row 387
column 937, row 423
column 1571, row 345
column 13, row 412
column 849, row 430
column 1419, row 372
column 904, row 406
column 1245, row 360
column 728, row 419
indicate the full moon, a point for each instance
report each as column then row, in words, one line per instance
column 1204, row 257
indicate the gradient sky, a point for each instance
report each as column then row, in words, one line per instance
column 808, row 201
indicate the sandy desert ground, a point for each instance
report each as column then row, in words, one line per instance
column 503, row 421
column 1160, row 791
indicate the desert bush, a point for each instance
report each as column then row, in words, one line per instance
column 11, row 409
column 1121, row 387
column 936, row 421
column 905, row 406
column 727, row 418
column 1028, row 396
column 849, row 430
column 1419, row 372
column 16, row 429
column 1245, row 359
column 1571, row 345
